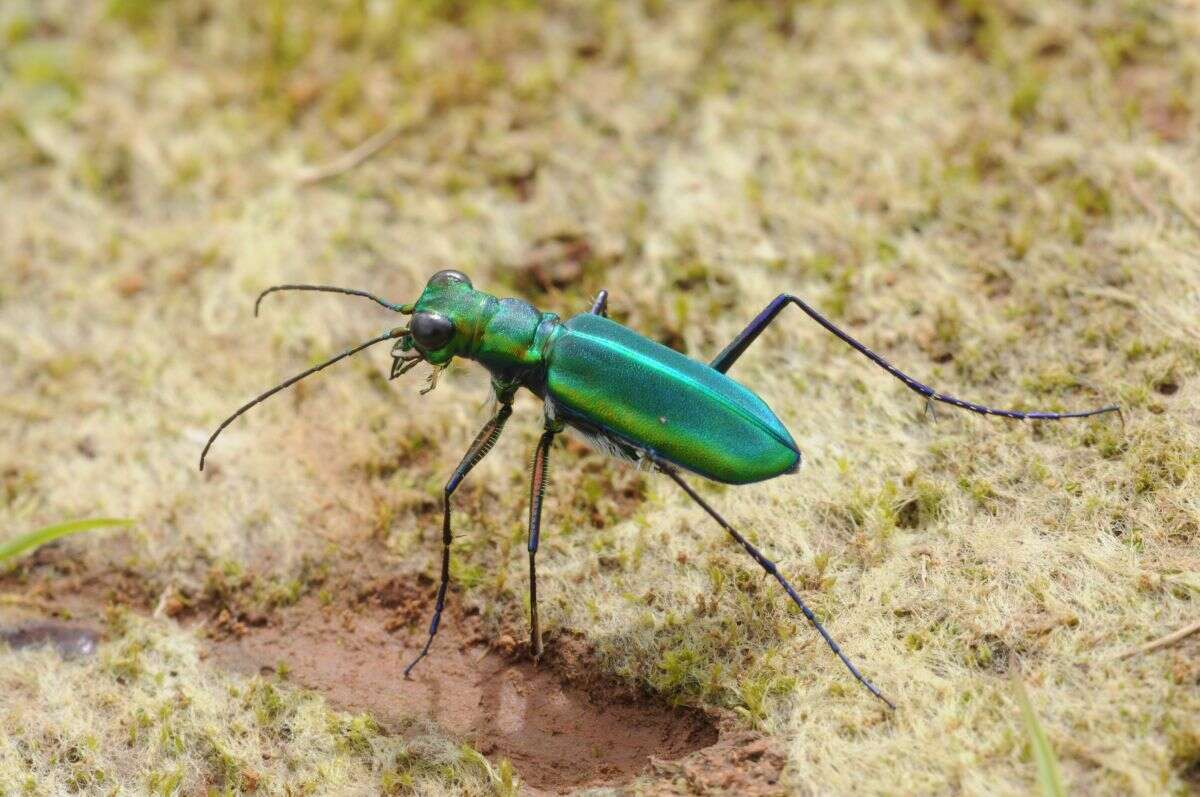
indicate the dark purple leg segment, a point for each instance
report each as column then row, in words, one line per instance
column 537, row 491
column 738, row 345
column 600, row 307
column 769, row 566
column 483, row 443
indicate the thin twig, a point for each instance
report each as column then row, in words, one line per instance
column 1162, row 642
column 160, row 608
column 353, row 158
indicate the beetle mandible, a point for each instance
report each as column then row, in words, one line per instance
column 629, row 396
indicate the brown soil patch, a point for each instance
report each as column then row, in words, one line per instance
column 562, row 722
column 742, row 762
column 560, row 730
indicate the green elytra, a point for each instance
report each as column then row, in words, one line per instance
column 630, row 396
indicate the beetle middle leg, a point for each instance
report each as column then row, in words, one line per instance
column 770, row 567
column 537, row 491
column 483, row 443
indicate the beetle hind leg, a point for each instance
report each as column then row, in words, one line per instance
column 729, row 355
column 770, row 567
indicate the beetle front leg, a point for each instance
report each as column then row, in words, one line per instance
column 483, row 443
column 537, row 491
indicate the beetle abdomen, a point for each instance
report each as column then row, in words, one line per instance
column 604, row 375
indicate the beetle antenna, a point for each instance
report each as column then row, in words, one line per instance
column 395, row 333
column 399, row 308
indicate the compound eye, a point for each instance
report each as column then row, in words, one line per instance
column 449, row 275
column 431, row 331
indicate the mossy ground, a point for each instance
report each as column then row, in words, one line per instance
column 1001, row 197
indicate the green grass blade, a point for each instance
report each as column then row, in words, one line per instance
column 1049, row 778
column 25, row 542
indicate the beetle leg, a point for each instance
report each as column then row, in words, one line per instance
column 600, row 307
column 537, row 491
column 432, row 381
column 770, row 568
column 483, row 443
column 738, row 346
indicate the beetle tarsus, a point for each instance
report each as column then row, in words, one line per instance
column 535, row 630
column 537, row 491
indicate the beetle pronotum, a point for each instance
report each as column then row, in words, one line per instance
column 630, row 396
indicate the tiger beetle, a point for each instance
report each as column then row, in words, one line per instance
column 628, row 396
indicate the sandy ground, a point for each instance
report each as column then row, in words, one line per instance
column 1002, row 198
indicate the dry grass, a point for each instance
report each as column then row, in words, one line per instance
column 1002, row 197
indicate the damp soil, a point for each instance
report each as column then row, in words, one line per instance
column 562, row 722
column 70, row 640
column 560, row 729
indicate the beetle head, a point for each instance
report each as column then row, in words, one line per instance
column 444, row 322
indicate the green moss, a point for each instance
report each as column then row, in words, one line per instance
column 466, row 575
column 165, row 784
column 265, row 701
column 921, row 504
column 125, row 662
column 136, row 14
column 279, row 592
column 45, row 63
column 1054, row 380
column 756, row 690
column 224, row 764
column 1160, row 460
column 1023, row 104
column 841, row 280
column 947, row 323
column 682, row 672
column 1091, row 198
column 16, row 27
column 502, row 778
column 979, row 491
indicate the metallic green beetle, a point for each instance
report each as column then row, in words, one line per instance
column 629, row 396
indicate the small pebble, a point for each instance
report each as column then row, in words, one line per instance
column 70, row 641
